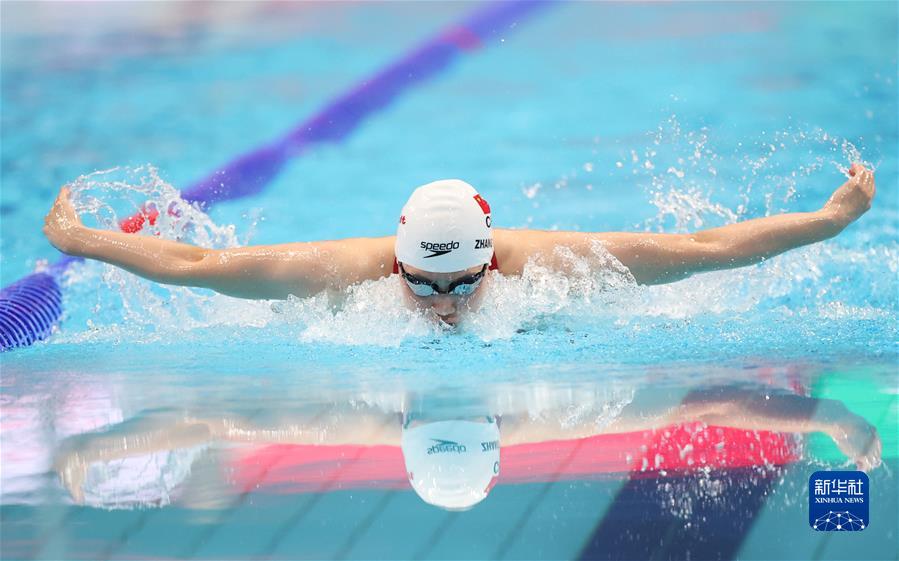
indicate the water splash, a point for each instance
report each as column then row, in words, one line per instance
column 127, row 308
column 372, row 313
column 592, row 286
column 686, row 175
column 108, row 197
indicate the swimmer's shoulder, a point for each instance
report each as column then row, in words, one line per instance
column 356, row 259
column 505, row 248
column 513, row 248
column 376, row 255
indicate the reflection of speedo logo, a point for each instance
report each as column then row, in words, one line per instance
column 437, row 249
column 446, row 446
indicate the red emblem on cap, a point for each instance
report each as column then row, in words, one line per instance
column 484, row 206
column 402, row 219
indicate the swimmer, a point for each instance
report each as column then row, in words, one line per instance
column 446, row 249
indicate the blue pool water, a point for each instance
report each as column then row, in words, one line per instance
column 588, row 117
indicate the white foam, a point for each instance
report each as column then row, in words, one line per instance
column 683, row 183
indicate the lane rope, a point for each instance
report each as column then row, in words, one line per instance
column 31, row 306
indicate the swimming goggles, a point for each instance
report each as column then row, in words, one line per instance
column 463, row 286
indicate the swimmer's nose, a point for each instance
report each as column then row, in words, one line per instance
column 443, row 305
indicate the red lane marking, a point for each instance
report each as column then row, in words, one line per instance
column 678, row 448
column 463, row 38
column 134, row 223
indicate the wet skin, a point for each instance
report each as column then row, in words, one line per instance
column 303, row 269
column 448, row 308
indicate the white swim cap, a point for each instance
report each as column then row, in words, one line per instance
column 452, row 464
column 445, row 227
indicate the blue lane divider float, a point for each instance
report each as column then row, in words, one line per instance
column 31, row 306
column 28, row 309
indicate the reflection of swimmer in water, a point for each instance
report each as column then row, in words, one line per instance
column 445, row 248
column 451, row 461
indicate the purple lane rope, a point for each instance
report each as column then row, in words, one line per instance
column 31, row 306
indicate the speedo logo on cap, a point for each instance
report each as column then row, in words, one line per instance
column 445, row 447
column 438, row 249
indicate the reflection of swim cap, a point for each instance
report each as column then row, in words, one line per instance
column 452, row 464
column 445, row 227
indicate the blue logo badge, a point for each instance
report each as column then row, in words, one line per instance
column 838, row 501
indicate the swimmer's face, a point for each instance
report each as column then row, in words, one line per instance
column 448, row 308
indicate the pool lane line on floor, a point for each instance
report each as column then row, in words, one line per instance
column 31, row 306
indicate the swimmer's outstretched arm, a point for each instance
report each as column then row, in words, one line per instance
column 663, row 258
column 275, row 271
column 768, row 409
column 169, row 430
column 749, row 408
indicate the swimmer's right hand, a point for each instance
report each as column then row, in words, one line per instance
column 62, row 223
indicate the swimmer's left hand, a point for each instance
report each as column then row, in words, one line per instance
column 858, row 440
column 853, row 198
